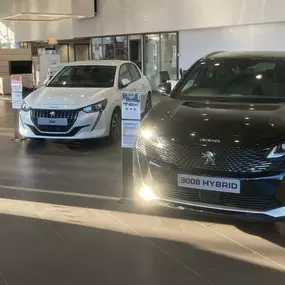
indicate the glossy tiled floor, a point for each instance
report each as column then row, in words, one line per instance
column 61, row 223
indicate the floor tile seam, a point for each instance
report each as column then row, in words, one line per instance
column 155, row 245
column 243, row 246
column 3, row 278
column 67, row 245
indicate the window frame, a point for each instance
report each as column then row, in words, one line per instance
column 119, row 75
column 139, row 76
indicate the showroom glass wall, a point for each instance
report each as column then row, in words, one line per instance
column 155, row 54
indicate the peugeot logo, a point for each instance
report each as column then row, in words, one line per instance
column 210, row 158
column 52, row 114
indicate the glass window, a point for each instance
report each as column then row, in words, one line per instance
column 121, row 48
column 109, row 48
column 134, row 72
column 85, row 76
column 169, row 54
column 152, row 63
column 124, row 73
column 236, row 78
column 97, row 48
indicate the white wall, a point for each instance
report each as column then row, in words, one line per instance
column 36, row 31
column 137, row 16
column 194, row 44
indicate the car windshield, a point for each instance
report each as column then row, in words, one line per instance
column 95, row 76
column 237, row 77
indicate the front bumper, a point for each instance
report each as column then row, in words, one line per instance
column 86, row 126
column 262, row 197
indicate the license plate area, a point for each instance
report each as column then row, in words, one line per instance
column 52, row 121
column 206, row 183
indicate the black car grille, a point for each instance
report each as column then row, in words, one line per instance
column 70, row 115
column 242, row 201
column 227, row 159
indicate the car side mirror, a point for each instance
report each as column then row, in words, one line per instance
column 164, row 88
column 125, row 82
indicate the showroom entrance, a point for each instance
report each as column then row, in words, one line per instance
column 155, row 54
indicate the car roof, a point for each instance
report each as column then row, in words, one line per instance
column 98, row 62
column 248, row 54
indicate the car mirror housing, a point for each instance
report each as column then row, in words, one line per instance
column 125, row 82
column 164, row 88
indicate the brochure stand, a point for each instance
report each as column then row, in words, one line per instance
column 17, row 100
column 131, row 116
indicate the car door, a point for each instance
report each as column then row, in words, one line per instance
column 138, row 84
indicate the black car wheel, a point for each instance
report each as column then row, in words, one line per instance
column 115, row 126
column 148, row 104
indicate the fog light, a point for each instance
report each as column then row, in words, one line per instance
column 147, row 194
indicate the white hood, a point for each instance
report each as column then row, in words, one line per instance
column 66, row 98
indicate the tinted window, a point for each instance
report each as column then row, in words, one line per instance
column 235, row 78
column 135, row 74
column 124, row 73
column 85, row 76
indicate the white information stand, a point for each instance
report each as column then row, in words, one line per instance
column 131, row 117
column 17, row 100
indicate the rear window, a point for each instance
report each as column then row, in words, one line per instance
column 95, row 76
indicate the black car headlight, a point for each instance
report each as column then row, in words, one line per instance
column 277, row 151
column 25, row 107
column 98, row 107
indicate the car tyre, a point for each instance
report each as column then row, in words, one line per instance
column 148, row 104
column 115, row 126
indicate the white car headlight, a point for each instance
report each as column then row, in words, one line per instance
column 150, row 136
column 25, row 107
column 98, row 107
column 277, row 151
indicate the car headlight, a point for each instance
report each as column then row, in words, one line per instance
column 25, row 107
column 277, row 151
column 150, row 136
column 98, row 107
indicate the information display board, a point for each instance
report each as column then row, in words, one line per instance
column 131, row 116
column 17, row 91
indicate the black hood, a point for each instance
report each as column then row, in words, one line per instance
column 228, row 123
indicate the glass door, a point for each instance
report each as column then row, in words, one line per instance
column 152, row 59
column 169, row 54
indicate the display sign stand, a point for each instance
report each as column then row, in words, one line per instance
column 17, row 100
column 131, row 116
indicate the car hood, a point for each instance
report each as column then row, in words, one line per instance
column 65, row 98
column 232, row 124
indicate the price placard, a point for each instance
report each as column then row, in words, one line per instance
column 131, row 106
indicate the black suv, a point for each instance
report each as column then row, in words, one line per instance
column 217, row 142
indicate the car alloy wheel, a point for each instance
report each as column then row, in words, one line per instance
column 115, row 128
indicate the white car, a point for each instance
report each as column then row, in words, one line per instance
column 83, row 101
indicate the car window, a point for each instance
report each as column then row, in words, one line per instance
column 135, row 74
column 235, row 77
column 124, row 73
column 85, row 76
column 191, row 82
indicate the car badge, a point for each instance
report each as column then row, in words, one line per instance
column 210, row 140
column 52, row 114
column 210, row 158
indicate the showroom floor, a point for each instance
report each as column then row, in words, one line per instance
column 61, row 223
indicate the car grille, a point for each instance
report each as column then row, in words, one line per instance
column 70, row 115
column 242, row 201
column 227, row 159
